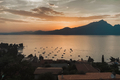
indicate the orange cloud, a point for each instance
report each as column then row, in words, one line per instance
column 117, row 15
column 2, row 20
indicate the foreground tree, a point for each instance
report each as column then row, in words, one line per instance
column 90, row 59
column 102, row 58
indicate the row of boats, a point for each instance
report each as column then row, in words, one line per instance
column 44, row 52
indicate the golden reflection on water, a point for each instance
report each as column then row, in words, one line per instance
column 83, row 45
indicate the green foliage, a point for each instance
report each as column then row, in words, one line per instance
column 73, row 72
column 11, row 65
column 15, row 78
column 64, row 67
column 104, row 67
column 114, row 68
column 46, row 76
column 102, row 58
column 71, row 69
column 30, row 55
column 65, row 72
column 22, row 70
column 112, row 59
column 90, row 59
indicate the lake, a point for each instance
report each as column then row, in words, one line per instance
column 82, row 46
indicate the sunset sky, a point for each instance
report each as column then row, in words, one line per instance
column 32, row 15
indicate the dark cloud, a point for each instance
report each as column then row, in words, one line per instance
column 27, row 13
column 52, row 5
column 96, row 17
column 117, row 15
column 45, row 10
column 2, row 20
column 45, row 14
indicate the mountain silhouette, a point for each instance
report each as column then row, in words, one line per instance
column 95, row 28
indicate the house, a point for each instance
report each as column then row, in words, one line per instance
column 36, row 64
column 85, row 67
column 29, row 59
column 45, row 61
column 42, row 70
column 61, row 60
column 59, row 65
column 90, row 76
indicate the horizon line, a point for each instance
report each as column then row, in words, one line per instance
column 61, row 28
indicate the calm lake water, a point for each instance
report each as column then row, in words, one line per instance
column 83, row 45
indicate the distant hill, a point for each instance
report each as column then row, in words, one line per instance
column 18, row 33
column 95, row 28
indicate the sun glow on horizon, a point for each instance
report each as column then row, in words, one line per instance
column 34, row 26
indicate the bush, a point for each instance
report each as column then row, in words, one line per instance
column 46, row 76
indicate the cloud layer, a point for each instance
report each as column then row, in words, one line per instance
column 56, row 14
column 52, row 5
column 3, row 20
column 90, row 10
column 48, row 14
column 45, row 10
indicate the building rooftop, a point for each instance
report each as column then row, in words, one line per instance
column 53, row 70
column 89, row 76
column 59, row 64
column 27, row 59
column 46, row 61
column 86, row 67
column 36, row 64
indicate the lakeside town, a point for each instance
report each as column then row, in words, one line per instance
column 15, row 66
